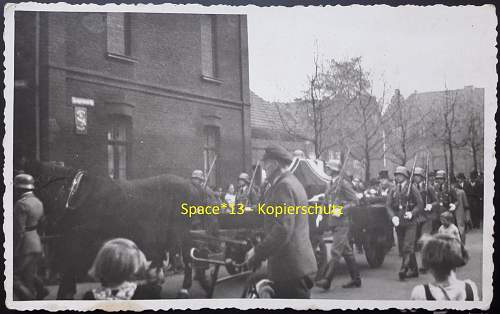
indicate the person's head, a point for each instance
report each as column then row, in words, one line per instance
column 276, row 158
column 198, row 177
column 442, row 253
column 446, row 218
column 332, row 168
column 23, row 183
column 401, row 174
column 383, row 177
column 230, row 189
column 473, row 175
column 440, row 177
column 117, row 261
column 461, row 177
column 243, row 179
column 419, row 175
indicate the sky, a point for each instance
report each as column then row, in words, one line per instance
column 408, row 48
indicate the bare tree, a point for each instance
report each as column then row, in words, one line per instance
column 404, row 129
column 474, row 135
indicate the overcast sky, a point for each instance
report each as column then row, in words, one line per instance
column 410, row 48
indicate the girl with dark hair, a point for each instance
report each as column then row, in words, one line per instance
column 441, row 255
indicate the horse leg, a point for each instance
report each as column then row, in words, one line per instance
column 188, row 269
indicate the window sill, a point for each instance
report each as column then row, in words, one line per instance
column 121, row 57
column 211, row 79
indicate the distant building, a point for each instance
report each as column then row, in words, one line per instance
column 133, row 95
column 425, row 107
column 267, row 128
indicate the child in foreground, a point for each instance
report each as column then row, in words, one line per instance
column 441, row 255
column 117, row 266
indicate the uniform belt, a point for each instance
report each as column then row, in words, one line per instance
column 31, row 228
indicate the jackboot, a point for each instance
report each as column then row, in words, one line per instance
column 404, row 267
column 413, row 269
column 328, row 274
column 352, row 266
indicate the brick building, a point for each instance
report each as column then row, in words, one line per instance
column 133, row 95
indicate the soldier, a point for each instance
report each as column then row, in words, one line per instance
column 340, row 226
column 475, row 196
column 429, row 198
column 385, row 184
column 404, row 204
column 28, row 212
column 243, row 196
column 286, row 245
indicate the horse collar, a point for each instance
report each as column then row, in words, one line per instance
column 75, row 184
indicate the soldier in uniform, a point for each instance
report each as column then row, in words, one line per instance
column 429, row 198
column 243, row 195
column 28, row 212
column 286, row 244
column 405, row 210
column 340, row 226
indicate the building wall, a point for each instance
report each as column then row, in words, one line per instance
column 160, row 88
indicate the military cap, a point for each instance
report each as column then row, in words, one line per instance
column 334, row 165
column 245, row 177
column 440, row 174
column 383, row 174
column 24, row 181
column 277, row 152
column 198, row 174
column 401, row 170
column 419, row 172
column 461, row 176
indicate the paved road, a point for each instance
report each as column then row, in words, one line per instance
column 378, row 284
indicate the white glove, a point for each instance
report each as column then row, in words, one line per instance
column 452, row 207
column 359, row 195
column 319, row 218
column 395, row 221
column 408, row 215
column 428, row 207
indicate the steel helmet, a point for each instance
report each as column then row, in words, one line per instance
column 245, row 177
column 198, row 174
column 401, row 170
column 24, row 181
column 441, row 174
column 333, row 165
column 419, row 172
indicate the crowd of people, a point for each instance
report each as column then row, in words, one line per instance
column 428, row 213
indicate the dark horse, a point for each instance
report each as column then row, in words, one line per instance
column 83, row 211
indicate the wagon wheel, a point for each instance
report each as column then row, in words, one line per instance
column 374, row 253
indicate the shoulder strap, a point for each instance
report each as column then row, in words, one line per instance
column 469, row 294
column 428, row 294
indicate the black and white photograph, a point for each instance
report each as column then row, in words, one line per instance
column 189, row 156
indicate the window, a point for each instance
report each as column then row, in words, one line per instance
column 118, row 34
column 210, row 151
column 208, row 45
column 118, row 147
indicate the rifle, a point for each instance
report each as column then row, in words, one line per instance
column 410, row 183
column 209, row 172
column 426, row 178
column 341, row 175
column 249, row 191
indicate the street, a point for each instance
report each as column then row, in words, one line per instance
column 378, row 284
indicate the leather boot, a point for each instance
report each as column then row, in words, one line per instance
column 353, row 271
column 404, row 267
column 326, row 281
column 413, row 269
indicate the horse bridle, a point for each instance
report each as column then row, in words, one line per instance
column 75, row 184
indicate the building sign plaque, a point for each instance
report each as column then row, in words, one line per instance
column 80, row 120
column 87, row 102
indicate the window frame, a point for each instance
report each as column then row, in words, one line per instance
column 209, row 148
column 126, row 56
column 114, row 121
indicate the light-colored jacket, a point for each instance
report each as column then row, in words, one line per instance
column 28, row 211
